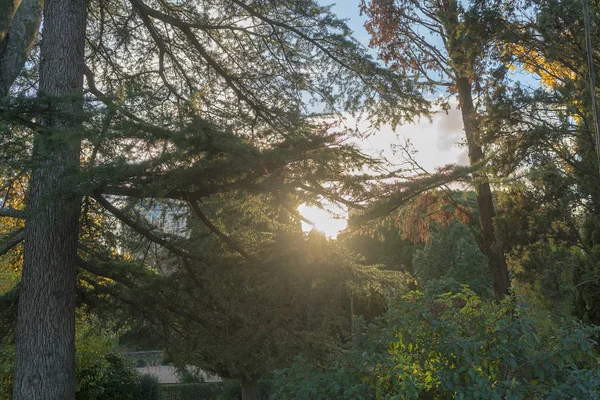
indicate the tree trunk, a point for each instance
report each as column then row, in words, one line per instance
column 495, row 257
column 45, row 351
column 19, row 25
column 249, row 388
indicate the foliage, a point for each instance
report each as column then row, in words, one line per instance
column 191, row 391
column 380, row 242
column 454, row 347
column 548, row 221
column 225, row 390
column 232, row 389
column 450, row 260
column 291, row 296
column 147, row 388
column 7, row 360
column 112, row 377
column 101, row 374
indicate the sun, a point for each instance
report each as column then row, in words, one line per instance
column 330, row 221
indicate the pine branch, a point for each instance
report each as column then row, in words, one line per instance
column 233, row 83
column 95, row 268
column 11, row 213
column 152, row 308
column 12, row 242
column 409, row 190
column 216, row 231
column 296, row 214
column 142, row 230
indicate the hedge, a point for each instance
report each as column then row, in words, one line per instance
column 226, row 390
column 191, row 391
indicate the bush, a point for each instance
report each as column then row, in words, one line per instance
column 191, row 391
column 7, row 362
column 147, row 388
column 226, row 390
column 454, row 347
column 112, row 377
column 233, row 391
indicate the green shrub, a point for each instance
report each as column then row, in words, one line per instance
column 226, row 390
column 231, row 390
column 112, row 377
column 7, row 362
column 454, row 347
column 191, row 391
column 147, row 388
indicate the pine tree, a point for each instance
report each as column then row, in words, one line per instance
column 182, row 101
column 450, row 46
column 549, row 217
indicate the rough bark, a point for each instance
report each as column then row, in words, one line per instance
column 19, row 25
column 249, row 388
column 45, row 351
column 494, row 255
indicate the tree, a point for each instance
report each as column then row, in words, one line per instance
column 262, row 294
column 19, row 25
column 548, row 220
column 182, row 102
column 448, row 45
column 45, row 353
column 450, row 260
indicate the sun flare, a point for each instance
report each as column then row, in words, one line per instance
column 330, row 221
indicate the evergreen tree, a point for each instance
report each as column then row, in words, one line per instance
column 182, row 101
column 549, row 218
column 451, row 46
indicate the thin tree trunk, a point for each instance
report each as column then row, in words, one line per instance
column 249, row 388
column 495, row 257
column 45, row 352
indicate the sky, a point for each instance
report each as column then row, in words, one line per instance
column 437, row 142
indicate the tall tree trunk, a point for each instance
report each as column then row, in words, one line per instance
column 45, row 352
column 495, row 257
column 249, row 388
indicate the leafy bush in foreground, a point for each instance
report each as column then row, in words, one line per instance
column 454, row 347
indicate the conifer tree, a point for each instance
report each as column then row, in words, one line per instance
column 450, row 46
column 182, row 100
column 549, row 217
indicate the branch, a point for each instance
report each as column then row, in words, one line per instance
column 296, row 214
column 186, row 29
column 217, row 232
column 298, row 32
column 147, row 233
column 12, row 213
column 411, row 190
column 330, row 196
column 152, row 308
column 92, row 88
column 93, row 268
column 12, row 242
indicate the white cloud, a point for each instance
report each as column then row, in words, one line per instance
column 437, row 142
